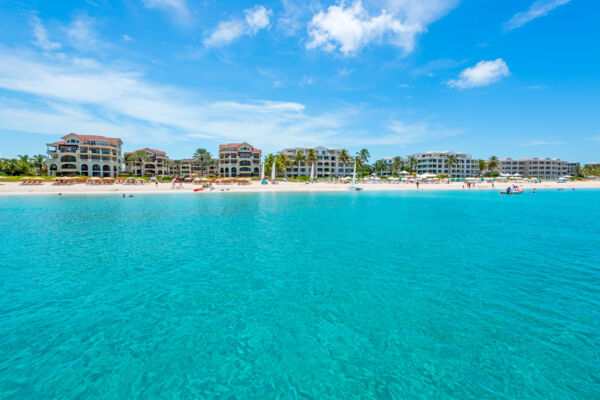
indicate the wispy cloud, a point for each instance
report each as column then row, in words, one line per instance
column 127, row 38
column 543, row 143
column 256, row 19
column 350, row 27
column 81, row 33
column 41, row 36
column 57, row 94
column 177, row 8
column 538, row 9
column 536, row 87
column 482, row 74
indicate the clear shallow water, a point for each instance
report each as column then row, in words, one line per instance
column 446, row 295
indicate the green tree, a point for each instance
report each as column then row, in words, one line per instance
column 482, row 167
column 141, row 157
column 299, row 159
column 451, row 161
column 380, row 166
column 38, row 162
column 204, row 158
column 312, row 158
column 492, row 163
column 397, row 165
column 411, row 164
column 282, row 163
column 345, row 159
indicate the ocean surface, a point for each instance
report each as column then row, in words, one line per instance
column 406, row 295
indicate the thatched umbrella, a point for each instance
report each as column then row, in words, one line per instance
column 108, row 180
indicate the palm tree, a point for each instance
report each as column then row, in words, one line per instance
column 177, row 164
column 269, row 159
column 364, row 156
column 299, row 158
column 312, row 158
column 482, row 166
column 451, row 161
column 128, row 159
column 204, row 158
column 345, row 159
column 412, row 164
column 38, row 162
column 141, row 157
column 380, row 165
column 397, row 165
column 492, row 163
column 24, row 165
column 283, row 162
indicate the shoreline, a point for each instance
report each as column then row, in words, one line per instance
column 18, row 189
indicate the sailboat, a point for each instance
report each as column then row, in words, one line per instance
column 273, row 173
column 262, row 174
column 312, row 171
column 353, row 186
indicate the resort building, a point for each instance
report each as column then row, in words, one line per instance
column 435, row 162
column 84, row 155
column 327, row 163
column 238, row 159
column 156, row 164
column 192, row 166
column 536, row 167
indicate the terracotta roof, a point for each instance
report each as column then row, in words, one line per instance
column 57, row 143
column 94, row 137
column 147, row 149
column 221, row 146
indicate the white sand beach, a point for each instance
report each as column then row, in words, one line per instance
column 48, row 188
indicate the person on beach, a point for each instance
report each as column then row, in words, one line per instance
column 417, row 185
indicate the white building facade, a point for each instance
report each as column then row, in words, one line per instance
column 85, row 155
column 436, row 162
column 536, row 167
column 327, row 164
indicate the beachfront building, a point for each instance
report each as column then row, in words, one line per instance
column 192, row 166
column 156, row 163
column 535, row 167
column 436, row 163
column 86, row 155
column 327, row 163
column 238, row 159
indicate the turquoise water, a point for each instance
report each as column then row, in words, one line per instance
column 414, row 295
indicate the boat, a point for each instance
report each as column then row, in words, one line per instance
column 353, row 187
column 513, row 191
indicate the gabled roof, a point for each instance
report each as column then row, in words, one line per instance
column 221, row 146
column 94, row 137
column 150, row 150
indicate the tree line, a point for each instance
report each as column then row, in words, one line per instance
column 23, row 165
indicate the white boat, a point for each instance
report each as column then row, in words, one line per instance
column 353, row 186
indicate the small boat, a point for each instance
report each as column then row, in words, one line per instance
column 198, row 189
column 513, row 191
column 355, row 188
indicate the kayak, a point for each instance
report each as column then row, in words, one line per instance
column 198, row 189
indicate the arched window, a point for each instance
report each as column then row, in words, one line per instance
column 67, row 159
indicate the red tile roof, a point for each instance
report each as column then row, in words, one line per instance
column 57, row 143
column 94, row 137
column 221, row 146
column 150, row 150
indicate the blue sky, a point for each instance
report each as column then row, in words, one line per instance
column 489, row 77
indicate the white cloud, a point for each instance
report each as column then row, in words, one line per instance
column 540, row 8
column 350, row 27
column 41, row 36
column 482, row 74
column 257, row 18
column 58, row 93
column 81, row 33
column 178, row 8
column 127, row 38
